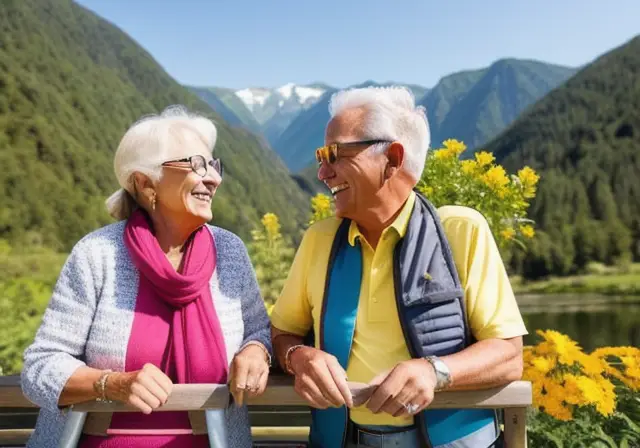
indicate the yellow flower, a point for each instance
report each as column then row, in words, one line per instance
column 496, row 179
column 271, row 224
column 591, row 365
column 627, row 370
column 469, row 166
column 554, row 407
column 590, row 390
column 508, row 233
column 573, row 393
column 608, row 403
column 567, row 350
column 603, row 352
column 543, row 365
column 321, row 207
column 454, row 147
column 441, row 154
column 484, row 158
column 527, row 231
column 529, row 179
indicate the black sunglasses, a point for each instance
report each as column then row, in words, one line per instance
column 199, row 164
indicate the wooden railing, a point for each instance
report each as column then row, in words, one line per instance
column 513, row 398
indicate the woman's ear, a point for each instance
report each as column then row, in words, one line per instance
column 144, row 187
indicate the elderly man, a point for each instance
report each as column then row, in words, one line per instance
column 394, row 293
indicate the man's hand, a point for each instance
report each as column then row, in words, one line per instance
column 409, row 386
column 319, row 378
column 249, row 372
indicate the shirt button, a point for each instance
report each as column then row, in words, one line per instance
column 375, row 300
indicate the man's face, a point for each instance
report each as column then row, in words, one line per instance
column 355, row 178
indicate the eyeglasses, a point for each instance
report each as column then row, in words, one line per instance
column 331, row 153
column 199, row 164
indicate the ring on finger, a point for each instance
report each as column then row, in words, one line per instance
column 411, row 408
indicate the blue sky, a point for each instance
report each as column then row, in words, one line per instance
column 251, row 43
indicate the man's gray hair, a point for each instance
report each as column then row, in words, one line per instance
column 392, row 115
column 149, row 142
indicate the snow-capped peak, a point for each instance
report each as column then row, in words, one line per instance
column 253, row 96
column 265, row 103
column 286, row 90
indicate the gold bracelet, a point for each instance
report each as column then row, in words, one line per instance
column 261, row 345
column 287, row 358
column 100, row 385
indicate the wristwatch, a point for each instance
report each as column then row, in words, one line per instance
column 443, row 376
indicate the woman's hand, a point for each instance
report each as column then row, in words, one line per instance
column 249, row 373
column 146, row 389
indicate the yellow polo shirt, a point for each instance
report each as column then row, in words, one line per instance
column 378, row 342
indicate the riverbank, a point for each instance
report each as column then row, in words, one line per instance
column 598, row 279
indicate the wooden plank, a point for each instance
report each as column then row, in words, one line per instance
column 11, row 395
column 515, row 427
column 14, row 437
column 280, row 392
column 184, row 397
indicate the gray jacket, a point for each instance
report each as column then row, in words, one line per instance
column 89, row 317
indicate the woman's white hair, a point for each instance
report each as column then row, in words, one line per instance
column 392, row 115
column 148, row 143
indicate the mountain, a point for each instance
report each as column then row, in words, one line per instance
column 70, row 85
column 229, row 106
column 476, row 105
column 274, row 109
column 584, row 140
column 472, row 106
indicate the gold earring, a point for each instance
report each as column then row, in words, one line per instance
column 153, row 202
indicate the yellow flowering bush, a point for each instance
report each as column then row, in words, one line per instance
column 589, row 397
column 483, row 185
column 271, row 256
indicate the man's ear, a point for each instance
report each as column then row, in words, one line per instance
column 395, row 156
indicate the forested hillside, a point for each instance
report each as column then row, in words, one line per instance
column 70, row 85
column 584, row 140
column 475, row 106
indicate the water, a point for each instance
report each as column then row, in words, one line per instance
column 591, row 320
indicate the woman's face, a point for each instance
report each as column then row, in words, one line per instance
column 184, row 195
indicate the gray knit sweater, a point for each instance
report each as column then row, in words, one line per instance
column 88, row 322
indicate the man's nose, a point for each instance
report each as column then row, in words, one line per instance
column 325, row 171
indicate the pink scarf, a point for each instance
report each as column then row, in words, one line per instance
column 175, row 327
column 195, row 350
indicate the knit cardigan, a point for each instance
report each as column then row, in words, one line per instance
column 89, row 318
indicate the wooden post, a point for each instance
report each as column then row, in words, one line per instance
column 515, row 427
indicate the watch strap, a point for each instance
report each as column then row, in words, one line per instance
column 443, row 376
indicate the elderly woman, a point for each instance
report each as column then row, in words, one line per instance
column 158, row 298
